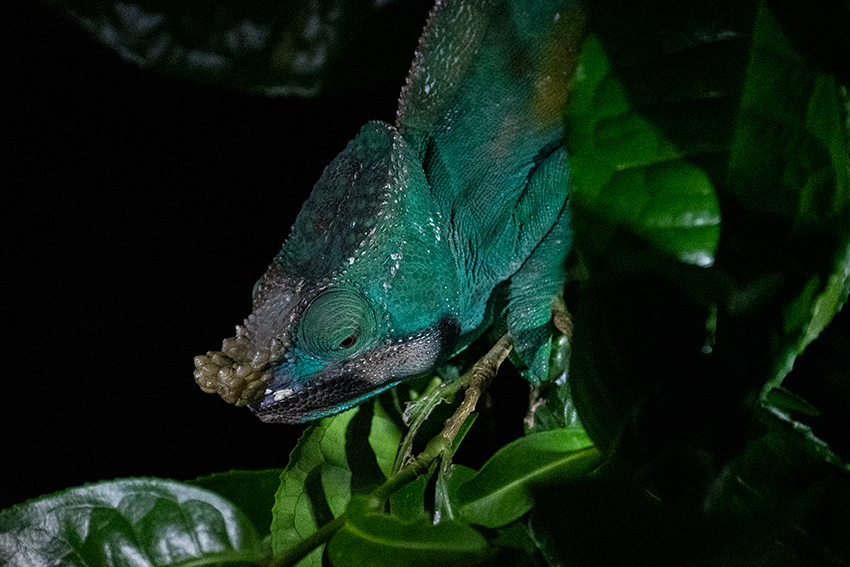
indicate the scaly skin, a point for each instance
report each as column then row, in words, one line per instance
column 419, row 236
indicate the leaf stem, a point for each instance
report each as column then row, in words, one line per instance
column 303, row 548
column 436, row 447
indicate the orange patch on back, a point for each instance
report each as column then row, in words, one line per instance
column 557, row 66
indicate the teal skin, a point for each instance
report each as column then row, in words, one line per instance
column 419, row 236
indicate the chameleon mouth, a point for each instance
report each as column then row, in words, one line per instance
column 306, row 401
column 342, row 385
column 243, row 375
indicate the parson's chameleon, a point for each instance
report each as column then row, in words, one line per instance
column 419, row 236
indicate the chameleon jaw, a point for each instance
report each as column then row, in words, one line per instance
column 346, row 384
column 316, row 398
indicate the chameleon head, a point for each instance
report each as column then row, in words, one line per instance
column 346, row 309
column 308, row 352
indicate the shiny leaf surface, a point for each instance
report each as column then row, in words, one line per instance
column 712, row 206
column 501, row 492
column 373, row 539
column 251, row 491
column 325, row 469
column 140, row 522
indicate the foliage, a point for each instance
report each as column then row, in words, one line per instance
column 292, row 48
column 712, row 214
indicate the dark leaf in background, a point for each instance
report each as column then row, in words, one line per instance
column 711, row 205
column 778, row 503
column 291, row 47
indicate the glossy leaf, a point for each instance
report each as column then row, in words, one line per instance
column 409, row 502
column 374, row 539
column 300, row 503
column 384, row 438
column 627, row 170
column 325, row 469
column 140, row 522
column 789, row 160
column 445, row 492
column 785, row 400
column 501, row 492
column 518, row 548
column 251, row 491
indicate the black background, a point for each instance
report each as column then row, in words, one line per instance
column 138, row 212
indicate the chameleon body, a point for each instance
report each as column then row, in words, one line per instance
column 420, row 235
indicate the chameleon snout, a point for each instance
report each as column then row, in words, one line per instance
column 231, row 374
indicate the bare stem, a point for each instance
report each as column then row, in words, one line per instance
column 481, row 374
column 303, row 548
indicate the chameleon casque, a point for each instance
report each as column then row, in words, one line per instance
column 419, row 236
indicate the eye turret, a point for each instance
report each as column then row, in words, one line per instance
column 337, row 324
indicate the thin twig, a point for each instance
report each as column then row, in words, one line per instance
column 481, row 374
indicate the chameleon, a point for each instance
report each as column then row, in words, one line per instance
column 422, row 234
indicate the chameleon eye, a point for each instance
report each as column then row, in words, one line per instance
column 335, row 323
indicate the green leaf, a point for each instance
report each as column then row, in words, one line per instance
column 631, row 175
column 371, row 539
column 408, row 503
column 251, row 491
column 791, row 484
column 501, row 492
column 300, row 505
column 384, row 438
column 712, row 208
column 785, row 400
column 136, row 522
column 517, row 547
column 779, row 502
column 789, row 163
column 792, row 446
column 325, row 469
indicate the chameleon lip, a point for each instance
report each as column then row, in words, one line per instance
column 281, row 395
column 338, row 386
column 272, row 397
column 313, row 399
